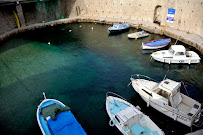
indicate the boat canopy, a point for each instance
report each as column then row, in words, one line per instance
column 169, row 85
column 178, row 48
column 128, row 116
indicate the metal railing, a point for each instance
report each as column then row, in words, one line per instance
column 144, row 76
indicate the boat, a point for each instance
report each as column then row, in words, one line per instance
column 137, row 35
column 118, row 27
column 176, row 54
column 165, row 96
column 55, row 118
column 155, row 44
column 128, row 118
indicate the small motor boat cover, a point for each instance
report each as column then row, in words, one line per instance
column 65, row 123
column 53, row 110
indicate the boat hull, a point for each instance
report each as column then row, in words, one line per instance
column 177, row 61
column 137, row 35
column 139, row 118
column 156, row 44
column 113, row 31
column 111, row 116
column 165, row 109
column 43, row 124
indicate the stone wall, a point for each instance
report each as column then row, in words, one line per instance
column 188, row 13
column 34, row 12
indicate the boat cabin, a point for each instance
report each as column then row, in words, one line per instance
column 128, row 117
column 178, row 50
column 168, row 92
column 117, row 25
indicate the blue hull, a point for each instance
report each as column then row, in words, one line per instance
column 119, row 28
column 65, row 122
column 157, row 43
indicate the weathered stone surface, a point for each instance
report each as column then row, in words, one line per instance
column 20, row 15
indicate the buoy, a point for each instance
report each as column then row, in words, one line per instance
column 80, row 26
column 49, row 43
column 175, row 117
column 189, row 61
column 92, row 28
column 70, row 30
column 169, row 61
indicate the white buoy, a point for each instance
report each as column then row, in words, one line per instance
column 49, row 43
column 80, row 26
column 70, row 30
column 92, row 28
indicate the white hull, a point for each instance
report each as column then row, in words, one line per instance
column 176, row 54
column 180, row 61
column 137, row 35
column 163, row 108
column 125, row 129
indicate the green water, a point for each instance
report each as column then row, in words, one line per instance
column 78, row 68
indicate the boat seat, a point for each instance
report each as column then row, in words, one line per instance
column 147, row 130
column 137, row 129
column 65, row 124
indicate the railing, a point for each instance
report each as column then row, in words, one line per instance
column 114, row 94
column 139, row 75
column 199, row 120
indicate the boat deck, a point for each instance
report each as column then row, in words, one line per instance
column 137, row 129
column 117, row 106
column 184, row 108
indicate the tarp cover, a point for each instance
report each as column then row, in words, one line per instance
column 53, row 110
column 65, row 124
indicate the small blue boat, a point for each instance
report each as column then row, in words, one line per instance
column 54, row 118
column 119, row 27
column 155, row 44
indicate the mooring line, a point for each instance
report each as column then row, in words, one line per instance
column 18, row 79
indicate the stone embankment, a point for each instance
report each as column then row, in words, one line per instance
column 191, row 39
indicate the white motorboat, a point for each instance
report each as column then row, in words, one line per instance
column 137, row 35
column 176, row 54
column 129, row 119
column 165, row 96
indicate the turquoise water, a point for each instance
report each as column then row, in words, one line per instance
column 78, row 68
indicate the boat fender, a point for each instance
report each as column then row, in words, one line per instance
column 112, row 123
column 169, row 61
column 189, row 61
column 148, row 102
column 175, row 117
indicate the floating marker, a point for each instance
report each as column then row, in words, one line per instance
column 80, row 26
column 92, row 28
column 70, row 30
column 49, row 43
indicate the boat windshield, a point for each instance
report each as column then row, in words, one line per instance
column 171, row 50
